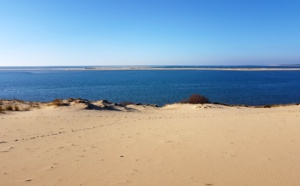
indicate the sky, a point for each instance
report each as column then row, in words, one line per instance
column 149, row 32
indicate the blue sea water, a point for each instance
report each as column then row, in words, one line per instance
column 153, row 86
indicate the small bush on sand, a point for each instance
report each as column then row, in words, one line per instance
column 125, row 103
column 196, row 99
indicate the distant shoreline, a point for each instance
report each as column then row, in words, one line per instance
column 150, row 68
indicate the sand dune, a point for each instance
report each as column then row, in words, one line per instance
column 142, row 145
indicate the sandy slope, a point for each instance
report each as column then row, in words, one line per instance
column 174, row 145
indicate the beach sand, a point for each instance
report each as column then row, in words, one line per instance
column 142, row 145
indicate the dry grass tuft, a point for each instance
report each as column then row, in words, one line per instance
column 71, row 100
column 58, row 102
column 9, row 107
column 17, row 108
column 34, row 105
column 1, row 110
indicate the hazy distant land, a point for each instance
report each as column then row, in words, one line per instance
column 217, row 68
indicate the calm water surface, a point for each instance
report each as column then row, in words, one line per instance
column 151, row 86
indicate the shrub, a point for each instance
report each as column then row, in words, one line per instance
column 196, row 99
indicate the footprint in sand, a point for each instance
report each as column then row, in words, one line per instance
column 7, row 149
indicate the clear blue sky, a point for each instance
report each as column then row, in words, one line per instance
column 152, row 32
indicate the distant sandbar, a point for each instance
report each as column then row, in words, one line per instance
column 154, row 68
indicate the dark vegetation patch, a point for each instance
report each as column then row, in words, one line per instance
column 196, row 99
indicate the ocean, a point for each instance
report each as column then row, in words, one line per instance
column 151, row 86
